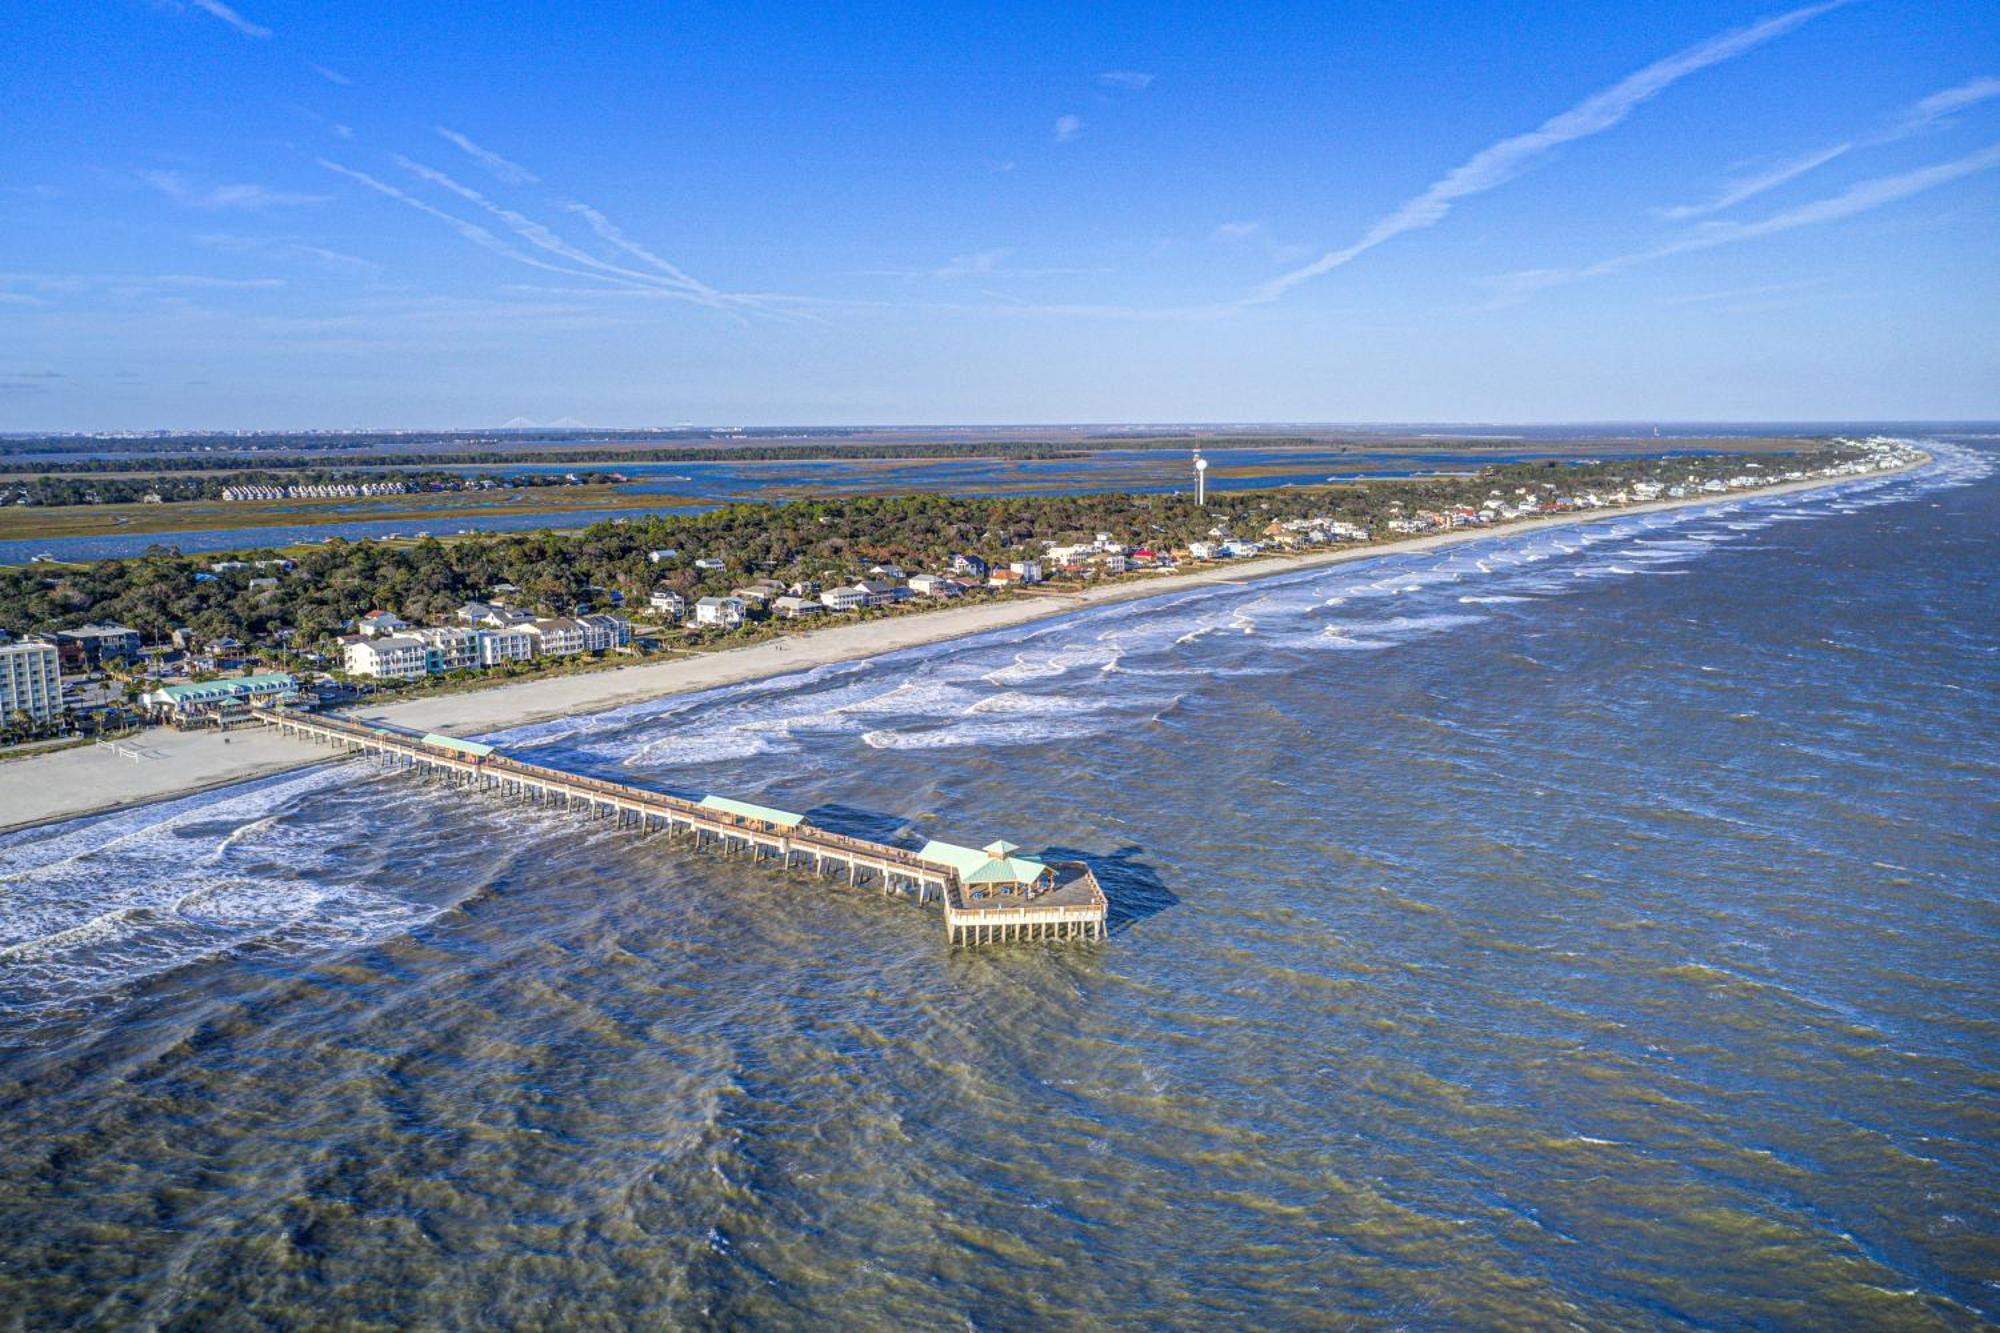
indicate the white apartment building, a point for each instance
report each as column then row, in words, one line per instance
column 388, row 657
column 560, row 637
column 30, row 681
column 512, row 644
column 668, row 603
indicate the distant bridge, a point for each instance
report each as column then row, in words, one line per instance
column 1067, row 904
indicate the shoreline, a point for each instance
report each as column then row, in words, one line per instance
column 37, row 790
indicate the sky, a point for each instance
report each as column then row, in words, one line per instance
column 268, row 214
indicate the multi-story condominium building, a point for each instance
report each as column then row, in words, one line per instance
column 451, row 648
column 559, row 637
column 851, row 597
column 30, row 681
column 512, row 644
column 388, row 657
column 101, row 641
column 603, row 630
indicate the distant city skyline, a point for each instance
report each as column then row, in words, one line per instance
column 273, row 216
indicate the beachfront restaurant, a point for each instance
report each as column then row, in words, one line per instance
column 218, row 702
column 993, row 870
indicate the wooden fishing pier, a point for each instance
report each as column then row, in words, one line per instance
column 988, row 896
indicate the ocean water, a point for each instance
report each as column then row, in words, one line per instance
column 1586, row 926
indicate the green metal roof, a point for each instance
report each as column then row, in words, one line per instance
column 473, row 748
column 202, row 691
column 984, row 867
column 782, row 818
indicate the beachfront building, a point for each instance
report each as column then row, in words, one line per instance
column 558, row 636
column 387, row 657
column 512, row 644
column 1027, row 571
column 101, row 643
column 935, row 585
column 725, row 612
column 603, row 631
column 880, row 592
column 219, row 702
column 449, row 648
column 970, row 566
column 1075, row 554
column 793, row 607
column 848, row 597
column 30, row 681
column 668, row 603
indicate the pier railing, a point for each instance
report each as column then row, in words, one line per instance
column 1075, row 909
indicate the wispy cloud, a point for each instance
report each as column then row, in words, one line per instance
column 1258, row 235
column 971, row 266
column 547, row 240
column 1126, row 80
column 231, row 17
column 1916, row 118
column 1749, row 187
column 1859, row 198
column 507, row 173
column 179, row 187
column 667, row 282
column 1068, row 127
column 609, row 233
column 126, row 284
column 287, row 248
column 331, row 75
column 1937, row 106
column 1496, row 165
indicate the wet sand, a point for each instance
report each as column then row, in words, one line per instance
column 72, row 783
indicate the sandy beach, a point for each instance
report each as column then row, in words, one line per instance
column 164, row 764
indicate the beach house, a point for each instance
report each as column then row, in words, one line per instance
column 724, row 612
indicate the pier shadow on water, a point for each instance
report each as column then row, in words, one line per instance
column 894, row 830
column 1133, row 889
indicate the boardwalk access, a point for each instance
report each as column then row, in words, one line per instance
column 1064, row 902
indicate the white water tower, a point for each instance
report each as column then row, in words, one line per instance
column 1200, row 479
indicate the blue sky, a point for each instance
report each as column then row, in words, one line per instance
column 274, row 214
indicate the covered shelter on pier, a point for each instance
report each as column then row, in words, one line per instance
column 778, row 820
column 991, row 869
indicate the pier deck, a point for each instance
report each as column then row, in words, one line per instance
column 1074, row 907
